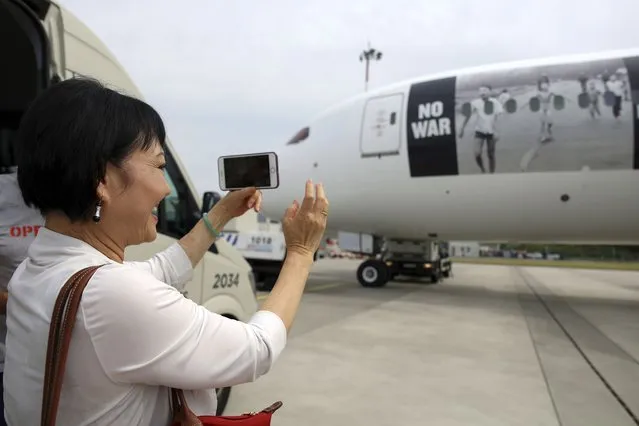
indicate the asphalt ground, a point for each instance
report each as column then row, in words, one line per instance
column 494, row 345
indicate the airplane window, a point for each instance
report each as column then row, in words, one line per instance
column 299, row 137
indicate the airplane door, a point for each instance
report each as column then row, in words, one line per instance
column 381, row 126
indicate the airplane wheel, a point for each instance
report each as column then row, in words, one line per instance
column 373, row 273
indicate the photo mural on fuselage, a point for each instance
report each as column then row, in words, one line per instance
column 553, row 118
column 632, row 65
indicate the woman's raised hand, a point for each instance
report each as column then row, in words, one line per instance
column 304, row 225
column 236, row 203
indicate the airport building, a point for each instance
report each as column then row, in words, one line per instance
column 464, row 248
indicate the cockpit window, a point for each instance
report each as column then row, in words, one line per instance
column 299, row 137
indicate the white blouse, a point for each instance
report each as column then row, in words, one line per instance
column 135, row 334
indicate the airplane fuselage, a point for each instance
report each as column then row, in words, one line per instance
column 554, row 157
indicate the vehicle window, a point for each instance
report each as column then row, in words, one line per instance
column 179, row 211
column 173, row 219
column 172, row 201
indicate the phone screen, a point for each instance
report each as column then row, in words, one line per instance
column 242, row 172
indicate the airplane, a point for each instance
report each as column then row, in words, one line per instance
column 539, row 150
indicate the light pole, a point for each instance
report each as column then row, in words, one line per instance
column 369, row 55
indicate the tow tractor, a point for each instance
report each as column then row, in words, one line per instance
column 389, row 258
column 416, row 259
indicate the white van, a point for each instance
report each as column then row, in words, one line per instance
column 41, row 42
column 261, row 242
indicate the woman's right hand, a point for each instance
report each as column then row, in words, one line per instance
column 303, row 226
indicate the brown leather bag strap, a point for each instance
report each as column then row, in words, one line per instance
column 65, row 311
column 52, row 345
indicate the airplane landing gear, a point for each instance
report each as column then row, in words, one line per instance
column 373, row 273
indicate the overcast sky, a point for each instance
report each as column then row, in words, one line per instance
column 236, row 76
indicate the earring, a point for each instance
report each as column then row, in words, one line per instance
column 98, row 208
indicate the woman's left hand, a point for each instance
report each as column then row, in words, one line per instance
column 236, row 203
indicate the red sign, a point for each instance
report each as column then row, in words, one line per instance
column 24, row 231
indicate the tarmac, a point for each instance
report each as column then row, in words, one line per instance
column 494, row 345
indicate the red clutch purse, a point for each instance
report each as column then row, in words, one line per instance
column 62, row 322
column 183, row 416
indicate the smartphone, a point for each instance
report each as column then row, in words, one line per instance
column 241, row 171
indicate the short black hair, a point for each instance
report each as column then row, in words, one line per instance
column 69, row 134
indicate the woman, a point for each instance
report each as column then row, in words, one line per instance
column 92, row 161
column 544, row 97
column 19, row 225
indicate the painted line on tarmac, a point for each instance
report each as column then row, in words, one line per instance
column 309, row 290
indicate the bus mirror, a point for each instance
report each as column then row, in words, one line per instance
column 209, row 199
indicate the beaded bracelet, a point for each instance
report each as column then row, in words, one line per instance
column 209, row 225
